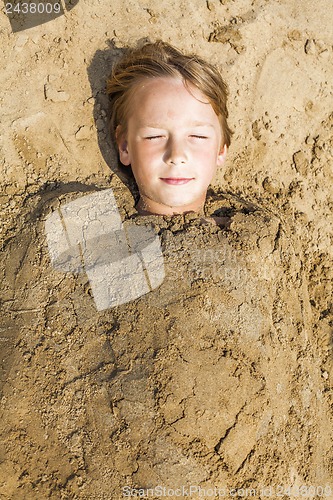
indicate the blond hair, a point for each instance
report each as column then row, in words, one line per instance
column 159, row 59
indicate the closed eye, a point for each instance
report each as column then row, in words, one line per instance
column 199, row 136
column 153, row 137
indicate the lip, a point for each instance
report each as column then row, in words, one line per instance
column 176, row 181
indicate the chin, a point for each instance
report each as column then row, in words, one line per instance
column 179, row 203
column 179, row 199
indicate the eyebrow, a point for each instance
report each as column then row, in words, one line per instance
column 201, row 124
column 192, row 124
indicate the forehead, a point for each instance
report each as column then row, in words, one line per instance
column 168, row 98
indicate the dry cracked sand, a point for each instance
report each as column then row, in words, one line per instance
column 222, row 376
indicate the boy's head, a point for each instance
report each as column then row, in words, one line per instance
column 169, row 120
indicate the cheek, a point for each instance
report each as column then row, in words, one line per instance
column 207, row 161
column 143, row 163
column 143, row 152
column 207, row 155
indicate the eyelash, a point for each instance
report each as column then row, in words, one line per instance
column 159, row 136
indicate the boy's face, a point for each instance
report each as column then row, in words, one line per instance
column 173, row 144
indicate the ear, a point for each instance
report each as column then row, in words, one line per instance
column 124, row 155
column 222, row 156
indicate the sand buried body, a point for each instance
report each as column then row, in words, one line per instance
column 220, row 375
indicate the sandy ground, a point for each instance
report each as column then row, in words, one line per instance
column 222, row 376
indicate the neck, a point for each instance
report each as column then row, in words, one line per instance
column 146, row 206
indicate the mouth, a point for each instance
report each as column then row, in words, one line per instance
column 176, row 181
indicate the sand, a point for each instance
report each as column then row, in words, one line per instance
column 221, row 377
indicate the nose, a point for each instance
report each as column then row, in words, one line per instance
column 175, row 152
